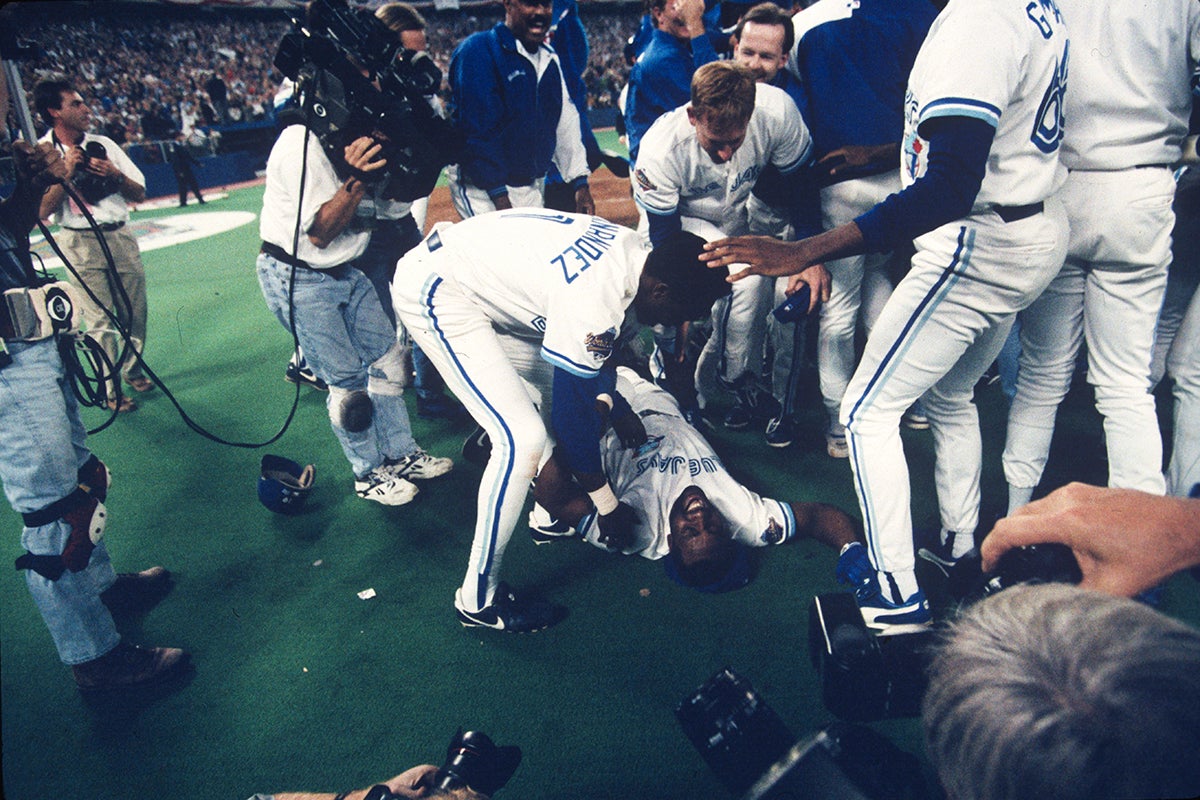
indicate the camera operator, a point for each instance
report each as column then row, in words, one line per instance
column 313, row 230
column 415, row 782
column 1055, row 691
column 108, row 181
column 51, row 478
column 398, row 230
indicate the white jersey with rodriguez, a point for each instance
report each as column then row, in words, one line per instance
column 1019, row 50
column 674, row 174
column 676, row 456
column 1129, row 106
column 564, row 279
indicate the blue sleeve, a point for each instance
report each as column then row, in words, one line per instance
column 478, row 113
column 663, row 225
column 958, row 153
column 577, row 424
column 795, row 191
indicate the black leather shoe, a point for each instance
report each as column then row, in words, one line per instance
column 128, row 665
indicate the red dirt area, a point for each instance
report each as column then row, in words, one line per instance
column 612, row 195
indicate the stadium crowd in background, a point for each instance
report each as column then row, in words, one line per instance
column 151, row 75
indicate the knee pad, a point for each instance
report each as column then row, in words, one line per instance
column 86, row 518
column 389, row 374
column 350, row 409
column 94, row 478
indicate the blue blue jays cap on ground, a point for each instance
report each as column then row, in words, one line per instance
column 283, row 485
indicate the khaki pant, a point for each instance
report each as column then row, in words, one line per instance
column 84, row 253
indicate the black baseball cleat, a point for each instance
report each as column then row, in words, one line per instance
column 544, row 529
column 508, row 612
column 477, row 448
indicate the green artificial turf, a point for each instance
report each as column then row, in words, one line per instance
column 300, row 684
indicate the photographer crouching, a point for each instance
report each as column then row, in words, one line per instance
column 108, row 181
column 49, row 475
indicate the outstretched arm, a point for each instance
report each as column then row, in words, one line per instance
column 826, row 524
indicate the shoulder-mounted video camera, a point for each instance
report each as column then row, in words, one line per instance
column 867, row 676
column 353, row 78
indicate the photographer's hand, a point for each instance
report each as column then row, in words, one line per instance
column 104, row 168
column 414, row 782
column 1125, row 541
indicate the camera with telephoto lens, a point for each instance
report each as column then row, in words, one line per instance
column 326, row 57
column 755, row 756
column 866, row 676
column 94, row 188
column 475, row 761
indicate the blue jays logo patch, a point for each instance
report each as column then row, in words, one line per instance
column 600, row 345
column 774, row 532
column 643, row 181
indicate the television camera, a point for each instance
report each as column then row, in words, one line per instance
column 353, row 78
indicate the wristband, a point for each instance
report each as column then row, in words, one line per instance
column 604, row 500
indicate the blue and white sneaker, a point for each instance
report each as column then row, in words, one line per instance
column 886, row 617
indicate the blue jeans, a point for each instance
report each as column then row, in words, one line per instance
column 42, row 447
column 343, row 331
column 389, row 242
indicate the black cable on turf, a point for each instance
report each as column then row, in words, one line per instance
column 103, row 367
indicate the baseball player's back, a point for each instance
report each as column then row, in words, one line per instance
column 1122, row 139
column 564, row 279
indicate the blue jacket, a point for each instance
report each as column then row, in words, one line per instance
column 661, row 81
column 854, row 60
column 507, row 116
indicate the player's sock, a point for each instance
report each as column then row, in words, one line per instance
column 1018, row 496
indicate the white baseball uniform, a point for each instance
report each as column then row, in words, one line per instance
column 496, row 302
column 674, row 174
column 1126, row 117
column 1002, row 62
column 651, row 478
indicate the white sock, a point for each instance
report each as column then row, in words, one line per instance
column 1018, row 496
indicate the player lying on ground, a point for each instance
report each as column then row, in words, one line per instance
column 688, row 507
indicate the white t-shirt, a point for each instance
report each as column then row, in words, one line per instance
column 1129, row 95
column 112, row 208
column 283, row 198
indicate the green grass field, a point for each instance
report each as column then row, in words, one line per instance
column 299, row 684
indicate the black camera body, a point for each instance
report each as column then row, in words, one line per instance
column 475, row 761
column 867, row 676
column 94, row 188
column 755, row 756
column 326, row 57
